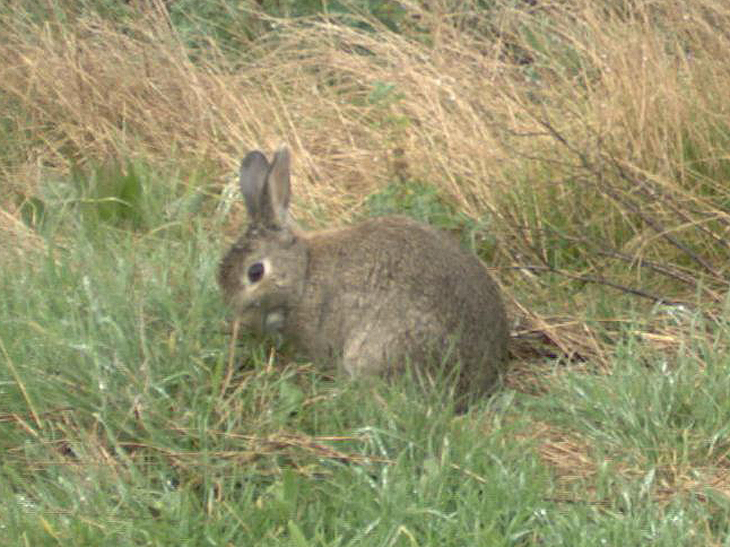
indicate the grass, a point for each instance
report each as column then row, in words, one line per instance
column 579, row 149
column 117, row 426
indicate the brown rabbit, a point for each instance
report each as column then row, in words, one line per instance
column 368, row 298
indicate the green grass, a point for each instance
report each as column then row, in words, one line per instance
column 118, row 425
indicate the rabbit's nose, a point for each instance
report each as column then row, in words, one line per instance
column 274, row 321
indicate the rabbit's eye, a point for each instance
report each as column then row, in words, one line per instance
column 255, row 272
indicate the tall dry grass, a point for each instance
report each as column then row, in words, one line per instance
column 595, row 137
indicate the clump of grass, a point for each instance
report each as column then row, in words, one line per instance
column 117, row 424
column 577, row 145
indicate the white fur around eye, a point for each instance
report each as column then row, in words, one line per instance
column 246, row 282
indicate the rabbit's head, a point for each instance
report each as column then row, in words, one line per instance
column 263, row 273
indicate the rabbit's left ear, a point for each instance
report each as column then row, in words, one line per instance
column 278, row 188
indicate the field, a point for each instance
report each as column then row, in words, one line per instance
column 581, row 148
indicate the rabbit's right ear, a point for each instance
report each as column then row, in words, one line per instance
column 253, row 173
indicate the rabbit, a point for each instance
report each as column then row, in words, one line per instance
column 366, row 299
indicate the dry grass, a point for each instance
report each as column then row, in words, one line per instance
column 595, row 139
column 576, row 468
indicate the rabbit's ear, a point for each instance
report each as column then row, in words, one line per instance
column 265, row 187
column 254, row 169
column 279, row 188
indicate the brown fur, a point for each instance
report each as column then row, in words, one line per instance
column 367, row 298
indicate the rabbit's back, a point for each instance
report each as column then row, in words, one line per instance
column 392, row 290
